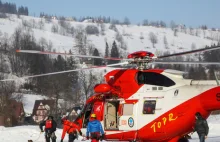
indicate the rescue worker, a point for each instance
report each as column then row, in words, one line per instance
column 50, row 128
column 94, row 129
column 201, row 127
column 71, row 128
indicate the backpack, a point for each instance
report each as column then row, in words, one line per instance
column 48, row 124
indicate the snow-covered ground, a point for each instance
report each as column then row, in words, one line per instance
column 25, row 133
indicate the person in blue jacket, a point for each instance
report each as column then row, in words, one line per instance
column 94, row 129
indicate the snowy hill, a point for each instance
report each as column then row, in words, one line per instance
column 135, row 37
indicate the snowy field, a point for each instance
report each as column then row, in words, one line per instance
column 25, row 133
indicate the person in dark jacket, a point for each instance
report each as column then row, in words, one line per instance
column 50, row 128
column 94, row 129
column 201, row 127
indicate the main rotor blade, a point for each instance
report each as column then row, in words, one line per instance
column 189, row 52
column 60, row 72
column 186, row 62
column 67, row 54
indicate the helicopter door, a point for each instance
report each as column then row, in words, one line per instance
column 88, row 111
column 98, row 110
column 111, row 115
column 127, row 119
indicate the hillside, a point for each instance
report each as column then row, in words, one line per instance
column 135, row 37
column 26, row 32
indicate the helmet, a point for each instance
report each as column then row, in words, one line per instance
column 50, row 117
column 93, row 115
column 198, row 115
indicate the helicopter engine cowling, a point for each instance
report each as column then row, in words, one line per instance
column 102, row 88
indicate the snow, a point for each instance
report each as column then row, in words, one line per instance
column 25, row 133
column 131, row 35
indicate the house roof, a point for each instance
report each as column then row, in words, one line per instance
column 50, row 103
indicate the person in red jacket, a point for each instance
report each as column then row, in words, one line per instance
column 71, row 128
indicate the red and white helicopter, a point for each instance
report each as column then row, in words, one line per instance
column 150, row 105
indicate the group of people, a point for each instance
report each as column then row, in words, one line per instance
column 94, row 129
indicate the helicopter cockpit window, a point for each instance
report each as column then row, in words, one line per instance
column 149, row 107
column 152, row 78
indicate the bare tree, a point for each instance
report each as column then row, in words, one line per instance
column 191, row 32
column 172, row 25
column 92, row 30
column 81, row 41
column 145, row 22
column 118, row 37
column 102, row 29
column 113, row 27
column 87, row 82
column 165, row 42
column 141, row 36
column 41, row 24
column 193, row 46
column 153, row 38
column 6, row 90
column 175, row 32
column 54, row 28
column 126, row 21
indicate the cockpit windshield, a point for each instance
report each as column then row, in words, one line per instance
column 153, row 78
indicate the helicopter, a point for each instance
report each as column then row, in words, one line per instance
column 143, row 104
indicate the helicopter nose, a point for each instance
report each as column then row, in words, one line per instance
column 210, row 99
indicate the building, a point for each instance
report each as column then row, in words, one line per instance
column 14, row 116
column 43, row 108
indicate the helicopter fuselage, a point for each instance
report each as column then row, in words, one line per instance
column 151, row 105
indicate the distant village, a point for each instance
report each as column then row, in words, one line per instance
column 41, row 109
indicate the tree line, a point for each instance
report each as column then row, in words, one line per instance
column 197, row 72
column 12, row 8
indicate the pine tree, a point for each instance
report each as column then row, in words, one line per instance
column 106, row 52
column 96, row 62
column 114, row 53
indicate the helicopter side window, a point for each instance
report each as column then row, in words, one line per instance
column 152, row 78
column 128, row 109
column 149, row 107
